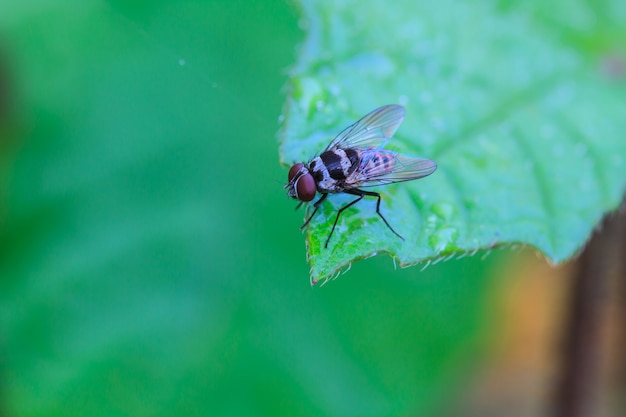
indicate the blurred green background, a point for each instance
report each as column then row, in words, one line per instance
column 150, row 261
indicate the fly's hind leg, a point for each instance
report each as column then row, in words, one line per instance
column 362, row 193
column 353, row 202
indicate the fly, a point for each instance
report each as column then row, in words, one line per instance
column 355, row 159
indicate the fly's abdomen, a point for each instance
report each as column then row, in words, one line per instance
column 379, row 161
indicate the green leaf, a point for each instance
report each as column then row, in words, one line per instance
column 143, row 266
column 522, row 107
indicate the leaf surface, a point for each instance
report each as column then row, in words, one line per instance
column 522, row 108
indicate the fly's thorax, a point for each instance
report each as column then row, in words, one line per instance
column 331, row 168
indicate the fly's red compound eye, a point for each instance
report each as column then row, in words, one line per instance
column 294, row 170
column 305, row 187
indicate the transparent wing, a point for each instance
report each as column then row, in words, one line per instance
column 372, row 131
column 382, row 167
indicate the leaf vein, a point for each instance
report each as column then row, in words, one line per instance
column 541, row 179
column 501, row 112
column 599, row 176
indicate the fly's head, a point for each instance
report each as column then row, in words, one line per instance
column 301, row 185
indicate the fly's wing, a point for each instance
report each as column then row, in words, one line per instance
column 380, row 167
column 372, row 131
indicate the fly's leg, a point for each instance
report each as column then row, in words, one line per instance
column 316, row 205
column 362, row 193
column 340, row 211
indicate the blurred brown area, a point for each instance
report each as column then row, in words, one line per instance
column 558, row 348
column 521, row 366
column 591, row 381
